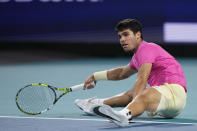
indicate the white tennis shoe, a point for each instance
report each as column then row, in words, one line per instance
column 86, row 105
column 117, row 117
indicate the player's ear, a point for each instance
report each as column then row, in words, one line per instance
column 138, row 35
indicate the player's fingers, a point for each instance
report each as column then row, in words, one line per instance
column 89, row 83
column 90, row 87
column 86, row 84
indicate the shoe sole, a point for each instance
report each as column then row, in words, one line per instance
column 111, row 113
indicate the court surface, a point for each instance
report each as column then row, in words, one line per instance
column 65, row 115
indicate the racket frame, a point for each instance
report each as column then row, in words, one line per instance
column 65, row 91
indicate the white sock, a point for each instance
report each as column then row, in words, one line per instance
column 126, row 112
column 101, row 101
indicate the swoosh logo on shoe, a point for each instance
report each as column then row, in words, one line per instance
column 96, row 110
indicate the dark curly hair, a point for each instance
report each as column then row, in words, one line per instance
column 132, row 24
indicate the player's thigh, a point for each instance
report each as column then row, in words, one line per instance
column 173, row 100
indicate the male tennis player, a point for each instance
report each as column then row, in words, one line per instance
column 166, row 95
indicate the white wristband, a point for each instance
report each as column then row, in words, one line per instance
column 102, row 75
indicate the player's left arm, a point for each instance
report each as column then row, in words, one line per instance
column 142, row 78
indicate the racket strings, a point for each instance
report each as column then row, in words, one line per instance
column 36, row 98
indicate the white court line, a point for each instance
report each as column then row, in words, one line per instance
column 78, row 119
column 47, row 118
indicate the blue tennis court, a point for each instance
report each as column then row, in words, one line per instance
column 65, row 115
column 62, row 124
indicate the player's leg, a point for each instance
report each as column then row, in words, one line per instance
column 167, row 100
column 120, row 100
column 172, row 101
column 148, row 100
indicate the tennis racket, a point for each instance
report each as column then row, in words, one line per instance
column 37, row 98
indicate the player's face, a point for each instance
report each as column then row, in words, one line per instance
column 128, row 40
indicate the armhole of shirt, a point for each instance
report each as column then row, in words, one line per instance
column 131, row 66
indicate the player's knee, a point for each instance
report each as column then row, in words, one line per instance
column 147, row 95
column 150, row 99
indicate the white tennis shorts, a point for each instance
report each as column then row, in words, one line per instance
column 173, row 100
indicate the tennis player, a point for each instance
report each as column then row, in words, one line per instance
column 166, row 95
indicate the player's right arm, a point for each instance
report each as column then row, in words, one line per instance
column 119, row 73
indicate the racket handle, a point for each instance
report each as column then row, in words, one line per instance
column 80, row 86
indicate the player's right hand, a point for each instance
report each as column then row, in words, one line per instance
column 88, row 83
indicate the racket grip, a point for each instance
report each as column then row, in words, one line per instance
column 80, row 86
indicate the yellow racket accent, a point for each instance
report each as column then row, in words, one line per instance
column 34, row 84
column 60, row 89
column 44, row 84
